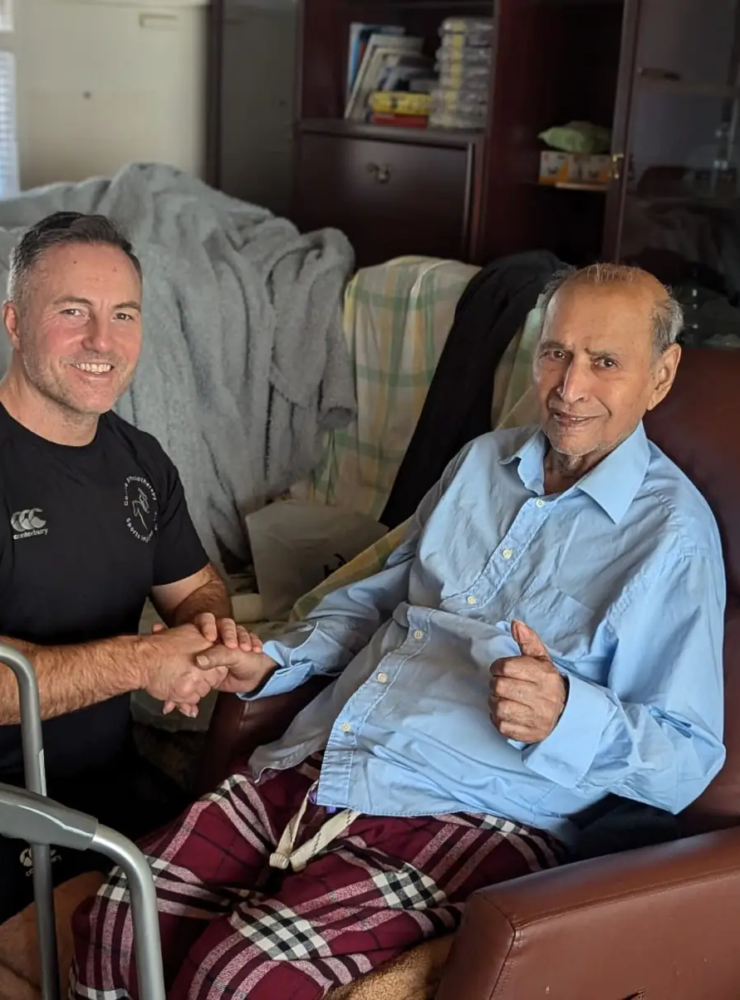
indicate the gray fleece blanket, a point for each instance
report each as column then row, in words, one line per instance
column 244, row 364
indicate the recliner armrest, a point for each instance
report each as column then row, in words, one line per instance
column 659, row 922
column 238, row 727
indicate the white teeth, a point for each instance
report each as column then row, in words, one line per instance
column 95, row 369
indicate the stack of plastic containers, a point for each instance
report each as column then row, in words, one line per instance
column 464, row 65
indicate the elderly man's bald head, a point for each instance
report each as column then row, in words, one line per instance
column 665, row 313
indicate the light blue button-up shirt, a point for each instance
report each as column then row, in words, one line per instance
column 622, row 578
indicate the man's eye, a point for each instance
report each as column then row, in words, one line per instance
column 124, row 316
column 607, row 362
column 72, row 311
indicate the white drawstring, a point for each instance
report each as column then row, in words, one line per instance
column 287, row 856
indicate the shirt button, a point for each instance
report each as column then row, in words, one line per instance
column 507, row 553
column 472, row 600
column 539, row 503
column 383, row 678
column 345, row 727
column 418, row 634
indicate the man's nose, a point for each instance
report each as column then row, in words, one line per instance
column 98, row 335
column 574, row 386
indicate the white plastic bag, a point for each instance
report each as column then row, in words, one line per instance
column 296, row 544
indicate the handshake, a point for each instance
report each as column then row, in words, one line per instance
column 181, row 665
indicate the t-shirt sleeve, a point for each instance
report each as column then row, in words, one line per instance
column 179, row 551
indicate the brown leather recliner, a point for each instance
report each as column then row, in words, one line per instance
column 661, row 922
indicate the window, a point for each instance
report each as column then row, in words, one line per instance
column 6, row 15
column 9, row 182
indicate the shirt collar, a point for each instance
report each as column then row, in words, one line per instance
column 613, row 483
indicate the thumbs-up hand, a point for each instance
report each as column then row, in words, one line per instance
column 528, row 693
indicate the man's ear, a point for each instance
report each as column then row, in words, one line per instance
column 10, row 319
column 664, row 374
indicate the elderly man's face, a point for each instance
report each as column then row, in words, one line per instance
column 595, row 369
column 77, row 331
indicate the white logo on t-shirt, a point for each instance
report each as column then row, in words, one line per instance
column 140, row 502
column 27, row 523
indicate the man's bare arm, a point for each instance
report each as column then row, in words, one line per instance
column 72, row 677
column 202, row 593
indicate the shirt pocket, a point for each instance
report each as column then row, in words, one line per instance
column 569, row 629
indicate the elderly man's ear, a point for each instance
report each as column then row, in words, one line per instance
column 664, row 373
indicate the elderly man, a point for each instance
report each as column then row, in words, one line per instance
column 95, row 521
column 549, row 632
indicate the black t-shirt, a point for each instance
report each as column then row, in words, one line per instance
column 85, row 533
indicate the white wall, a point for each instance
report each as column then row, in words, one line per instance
column 106, row 82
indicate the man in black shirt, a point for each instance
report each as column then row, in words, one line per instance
column 93, row 521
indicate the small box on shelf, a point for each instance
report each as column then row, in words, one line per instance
column 581, row 169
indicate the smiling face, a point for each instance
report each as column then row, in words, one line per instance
column 595, row 370
column 76, row 331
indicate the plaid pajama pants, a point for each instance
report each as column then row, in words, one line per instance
column 232, row 927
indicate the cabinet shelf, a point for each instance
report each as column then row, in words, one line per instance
column 577, row 186
column 452, row 6
column 571, row 186
column 457, row 138
column 695, row 88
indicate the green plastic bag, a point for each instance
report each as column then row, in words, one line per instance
column 578, row 137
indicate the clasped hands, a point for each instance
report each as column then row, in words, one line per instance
column 206, row 654
column 528, row 693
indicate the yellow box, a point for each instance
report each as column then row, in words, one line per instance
column 399, row 103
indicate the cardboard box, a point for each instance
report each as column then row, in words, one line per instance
column 596, row 169
column 574, row 168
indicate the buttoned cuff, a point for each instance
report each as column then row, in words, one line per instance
column 291, row 652
column 566, row 755
column 305, row 651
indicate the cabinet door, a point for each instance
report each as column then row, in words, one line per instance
column 254, row 109
column 389, row 198
column 676, row 210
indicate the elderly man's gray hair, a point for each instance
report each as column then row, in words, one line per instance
column 667, row 316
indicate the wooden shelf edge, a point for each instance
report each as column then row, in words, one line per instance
column 569, row 186
column 579, row 186
column 693, row 88
column 390, row 133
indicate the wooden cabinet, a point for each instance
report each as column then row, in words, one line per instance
column 389, row 196
column 472, row 196
column 664, row 74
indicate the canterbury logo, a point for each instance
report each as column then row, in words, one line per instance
column 28, row 520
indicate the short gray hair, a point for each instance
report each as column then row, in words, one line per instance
column 667, row 319
column 56, row 230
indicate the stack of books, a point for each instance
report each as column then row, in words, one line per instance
column 389, row 80
column 460, row 100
